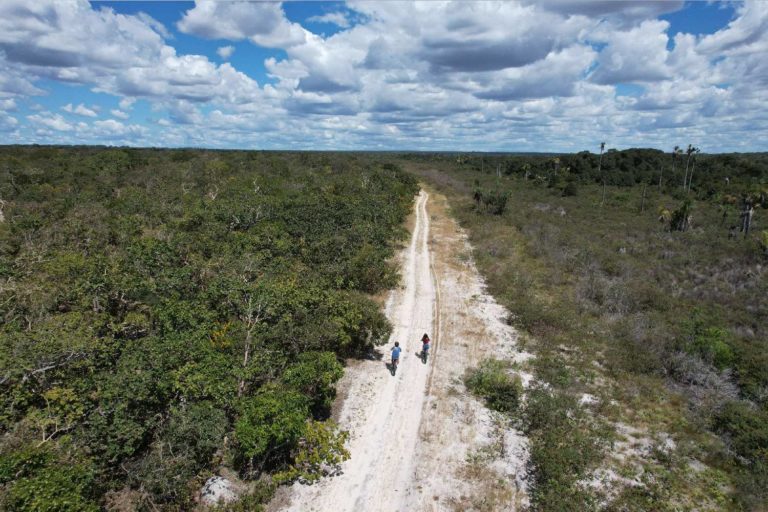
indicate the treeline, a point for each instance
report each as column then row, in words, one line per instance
column 165, row 313
column 712, row 174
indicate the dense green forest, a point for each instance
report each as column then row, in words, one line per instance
column 169, row 312
column 646, row 306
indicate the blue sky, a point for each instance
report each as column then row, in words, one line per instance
column 556, row 75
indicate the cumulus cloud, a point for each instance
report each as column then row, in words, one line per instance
column 625, row 11
column 111, row 128
column 80, row 110
column 263, row 23
column 53, row 121
column 432, row 75
column 127, row 103
column 14, row 82
column 225, row 52
column 333, row 18
column 7, row 105
column 119, row 114
column 556, row 75
column 636, row 55
column 7, row 123
column 55, row 40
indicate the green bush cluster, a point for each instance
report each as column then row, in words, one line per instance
column 492, row 381
column 564, row 446
column 490, row 201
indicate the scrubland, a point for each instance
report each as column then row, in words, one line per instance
column 651, row 344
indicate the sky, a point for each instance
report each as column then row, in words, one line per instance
column 549, row 76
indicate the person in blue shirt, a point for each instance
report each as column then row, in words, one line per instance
column 396, row 355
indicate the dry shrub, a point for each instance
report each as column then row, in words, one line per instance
column 706, row 388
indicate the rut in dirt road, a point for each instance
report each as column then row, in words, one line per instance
column 382, row 412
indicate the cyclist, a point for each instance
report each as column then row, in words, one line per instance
column 425, row 344
column 396, row 355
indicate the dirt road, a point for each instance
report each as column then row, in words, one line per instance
column 418, row 440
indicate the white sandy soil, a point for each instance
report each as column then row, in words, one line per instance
column 418, row 440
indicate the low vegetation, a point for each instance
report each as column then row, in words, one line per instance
column 169, row 313
column 645, row 304
column 493, row 382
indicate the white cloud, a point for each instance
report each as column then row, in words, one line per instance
column 7, row 123
column 119, row 114
column 263, row 23
column 80, row 110
column 625, row 12
column 635, row 55
column 7, row 105
column 225, row 52
column 432, row 75
column 53, row 121
column 334, row 18
column 111, row 128
column 127, row 103
column 117, row 54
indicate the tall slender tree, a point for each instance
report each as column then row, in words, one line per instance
column 675, row 154
column 661, row 173
column 695, row 152
column 600, row 170
column 687, row 161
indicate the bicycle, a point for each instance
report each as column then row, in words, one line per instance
column 393, row 365
column 395, row 357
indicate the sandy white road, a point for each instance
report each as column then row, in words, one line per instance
column 412, row 434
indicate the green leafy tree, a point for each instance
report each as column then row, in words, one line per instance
column 270, row 425
column 319, row 453
column 315, row 375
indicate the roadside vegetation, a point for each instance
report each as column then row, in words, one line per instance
column 643, row 293
column 166, row 314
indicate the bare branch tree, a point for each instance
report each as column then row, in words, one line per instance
column 251, row 316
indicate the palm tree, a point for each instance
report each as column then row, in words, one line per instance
column 687, row 160
column 695, row 152
column 600, row 170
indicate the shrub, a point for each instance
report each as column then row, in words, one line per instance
column 54, row 487
column 746, row 430
column 711, row 345
column 681, row 218
column 570, row 189
column 270, row 424
column 492, row 381
column 564, row 445
column 319, row 453
column 315, row 376
column 491, row 201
